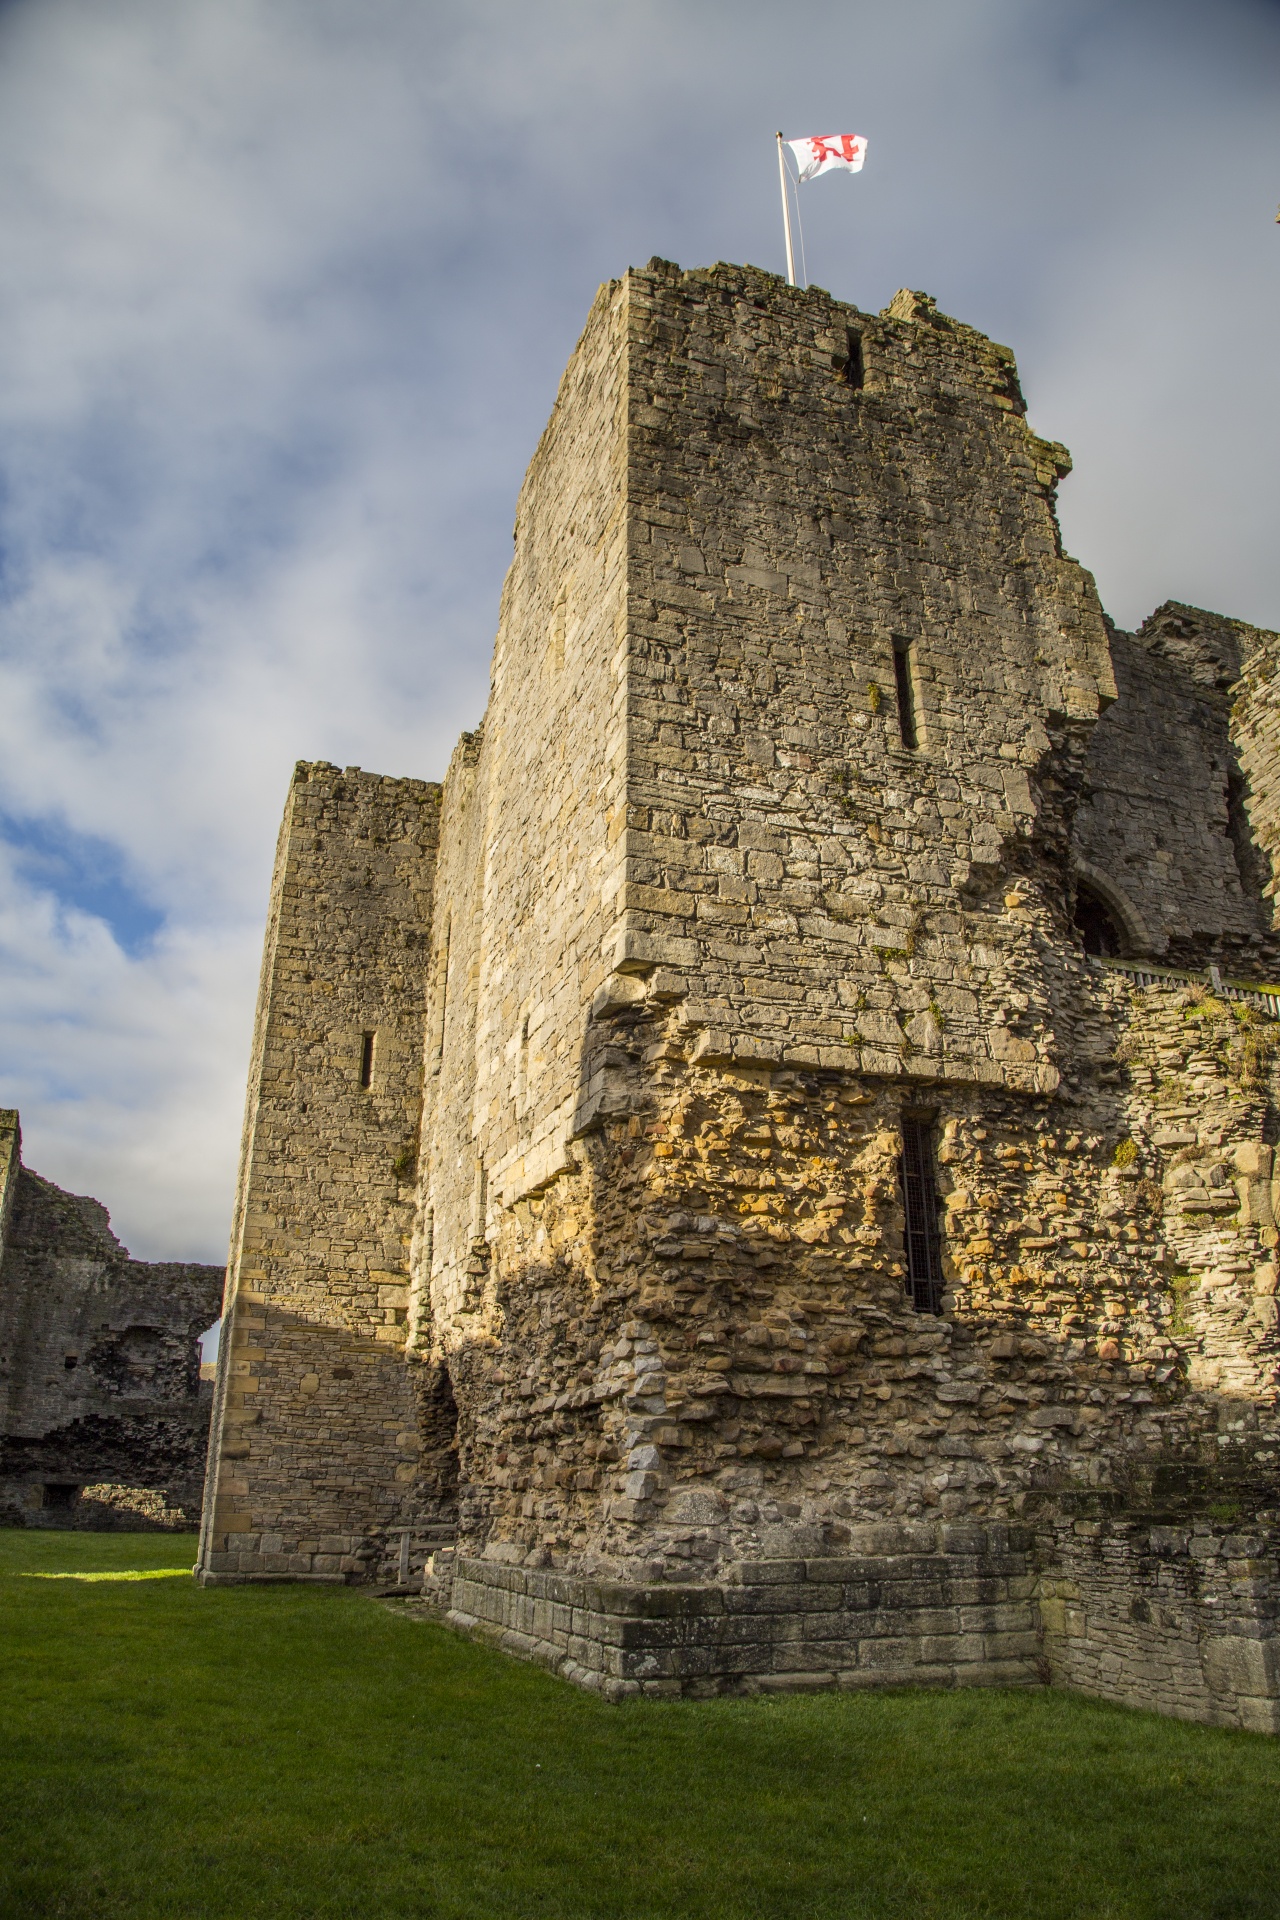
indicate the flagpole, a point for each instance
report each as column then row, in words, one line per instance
column 786, row 215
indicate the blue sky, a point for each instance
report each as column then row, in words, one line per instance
column 287, row 288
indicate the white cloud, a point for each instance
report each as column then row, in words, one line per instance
column 288, row 288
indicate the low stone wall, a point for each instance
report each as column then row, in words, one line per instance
column 103, row 1508
column 1183, row 1620
column 336, row 1558
column 914, row 1606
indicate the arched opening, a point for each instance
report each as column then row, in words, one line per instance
column 1097, row 926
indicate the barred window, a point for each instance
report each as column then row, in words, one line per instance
column 920, row 1205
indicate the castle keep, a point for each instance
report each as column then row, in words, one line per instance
column 763, row 1178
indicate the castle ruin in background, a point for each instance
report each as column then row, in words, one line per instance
column 772, row 1157
column 104, row 1421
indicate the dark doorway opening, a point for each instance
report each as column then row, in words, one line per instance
column 1096, row 924
column 59, row 1495
column 438, row 1431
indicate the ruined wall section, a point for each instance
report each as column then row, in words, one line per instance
column 99, row 1359
column 810, row 487
column 1164, row 834
column 717, row 1366
column 314, row 1439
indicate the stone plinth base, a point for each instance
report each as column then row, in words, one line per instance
column 934, row 1610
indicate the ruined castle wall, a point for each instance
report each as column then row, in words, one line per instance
column 314, row 1437
column 99, row 1361
column 728, row 1371
column 765, row 844
column 1154, row 833
column 696, row 1344
column 810, row 485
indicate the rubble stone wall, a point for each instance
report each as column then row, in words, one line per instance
column 99, row 1361
column 1155, row 830
column 314, row 1436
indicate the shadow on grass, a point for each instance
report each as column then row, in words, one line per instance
column 289, row 1751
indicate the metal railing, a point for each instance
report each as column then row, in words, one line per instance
column 1144, row 973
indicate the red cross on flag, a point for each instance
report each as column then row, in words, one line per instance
column 822, row 151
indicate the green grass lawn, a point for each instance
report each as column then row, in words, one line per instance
column 292, row 1751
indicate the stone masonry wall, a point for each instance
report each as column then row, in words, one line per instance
column 791, row 522
column 1182, row 1619
column 764, row 846
column 694, row 1347
column 907, row 1606
column 1158, row 834
column 99, row 1360
column 314, row 1434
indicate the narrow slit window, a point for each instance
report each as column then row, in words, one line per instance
column 904, row 679
column 855, row 371
column 920, row 1205
column 522, row 1067
column 367, row 1045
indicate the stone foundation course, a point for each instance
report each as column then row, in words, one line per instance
column 919, row 1606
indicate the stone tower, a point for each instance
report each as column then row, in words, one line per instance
column 790, row 1275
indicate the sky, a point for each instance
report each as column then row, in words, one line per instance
column 286, row 289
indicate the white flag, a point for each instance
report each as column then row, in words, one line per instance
column 822, row 151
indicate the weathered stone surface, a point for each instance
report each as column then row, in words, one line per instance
column 1172, row 832
column 803, row 733
column 316, row 1439
column 103, row 1421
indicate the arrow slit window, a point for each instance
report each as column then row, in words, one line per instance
column 904, row 677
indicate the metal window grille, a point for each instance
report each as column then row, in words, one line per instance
column 920, row 1203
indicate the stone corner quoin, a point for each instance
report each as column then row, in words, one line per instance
column 763, row 1178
